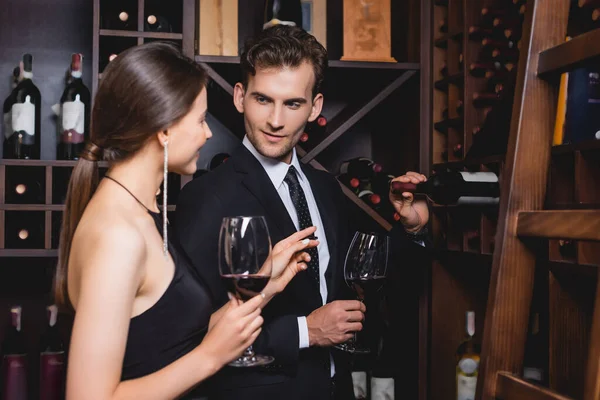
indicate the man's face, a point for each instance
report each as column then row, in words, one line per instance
column 277, row 104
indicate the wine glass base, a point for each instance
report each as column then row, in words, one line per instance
column 253, row 361
column 349, row 348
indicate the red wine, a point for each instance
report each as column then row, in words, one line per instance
column 75, row 113
column 366, row 287
column 217, row 160
column 245, row 286
column 52, row 360
column 14, row 360
column 455, row 187
column 24, row 142
column 286, row 12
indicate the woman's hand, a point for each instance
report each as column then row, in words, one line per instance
column 288, row 258
column 236, row 329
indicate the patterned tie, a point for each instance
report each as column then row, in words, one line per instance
column 299, row 200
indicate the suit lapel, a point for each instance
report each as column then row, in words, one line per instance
column 258, row 183
column 321, row 191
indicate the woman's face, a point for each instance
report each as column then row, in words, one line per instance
column 187, row 137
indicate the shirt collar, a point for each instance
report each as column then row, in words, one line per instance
column 275, row 169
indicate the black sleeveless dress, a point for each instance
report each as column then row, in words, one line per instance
column 173, row 326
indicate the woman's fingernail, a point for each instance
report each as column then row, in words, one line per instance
column 305, row 241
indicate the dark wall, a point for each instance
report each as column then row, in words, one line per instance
column 51, row 31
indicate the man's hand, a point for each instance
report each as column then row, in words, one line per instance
column 414, row 215
column 335, row 322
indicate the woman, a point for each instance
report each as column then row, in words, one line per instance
column 143, row 327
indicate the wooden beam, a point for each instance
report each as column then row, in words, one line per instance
column 560, row 224
column 592, row 375
column 569, row 55
column 509, row 387
column 523, row 188
column 357, row 116
column 219, row 80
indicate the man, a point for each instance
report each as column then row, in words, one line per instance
column 283, row 69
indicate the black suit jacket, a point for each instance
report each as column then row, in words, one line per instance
column 241, row 186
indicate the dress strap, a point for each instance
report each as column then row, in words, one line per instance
column 128, row 191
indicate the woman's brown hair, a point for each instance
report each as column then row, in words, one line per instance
column 145, row 90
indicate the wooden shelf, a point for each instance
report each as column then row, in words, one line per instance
column 28, row 253
column 569, row 55
column 137, row 34
column 510, row 387
column 588, row 145
column 560, row 224
column 46, row 163
column 401, row 66
column 217, row 78
column 357, row 116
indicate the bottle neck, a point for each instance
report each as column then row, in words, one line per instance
column 27, row 75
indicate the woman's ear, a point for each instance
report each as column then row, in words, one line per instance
column 163, row 137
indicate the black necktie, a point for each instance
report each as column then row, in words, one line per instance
column 304, row 220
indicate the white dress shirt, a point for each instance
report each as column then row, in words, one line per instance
column 277, row 170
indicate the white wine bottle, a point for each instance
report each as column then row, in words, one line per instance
column 467, row 362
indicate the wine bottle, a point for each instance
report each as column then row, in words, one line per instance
column 75, row 113
column 14, row 360
column 117, row 18
column 317, row 128
column 157, row 23
column 285, row 12
column 459, row 107
column 217, row 160
column 352, row 183
column 455, row 187
column 24, row 230
column 485, row 99
column 373, row 200
column 7, row 109
column 444, row 70
column 24, row 143
column 535, row 350
column 467, row 362
column 588, row 3
column 567, row 249
column 24, row 185
column 443, row 26
column 505, row 55
column 304, row 137
column 361, row 167
column 52, row 359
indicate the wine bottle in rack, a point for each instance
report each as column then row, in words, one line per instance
column 217, row 160
column 116, row 18
column 478, row 33
column 455, row 188
column 456, row 152
column 157, row 23
column 373, row 200
column 52, row 359
column 459, row 108
column 445, row 113
column 505, row 55
column 467, row 361
column 352, row 183
column 443, row 26
column 24, row 185
column 24, row 142
column 485, row 99
column 533, row 360
column 24, row 229
column 286, row 12
column 361, row 167
column 318, row 127
column 14, row 360
column 444, row 70
column 75, row 113
column 7, row 108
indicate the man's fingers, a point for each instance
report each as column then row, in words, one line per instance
column 355, row 316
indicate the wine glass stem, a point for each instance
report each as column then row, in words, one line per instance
column 249, row 352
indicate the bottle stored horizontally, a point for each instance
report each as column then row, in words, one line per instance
column 14, row 360
column 24, row 142
column 361, row 168
column 75, row 113
column 467, row 362
column 52, row 359
column 455, row 187
column 285, row 12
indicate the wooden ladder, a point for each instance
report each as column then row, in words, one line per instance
column 522, row 217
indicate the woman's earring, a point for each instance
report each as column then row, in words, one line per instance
column 164, row 210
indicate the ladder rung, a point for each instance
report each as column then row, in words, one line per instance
column 509, row 387
column 568, row 55
column 560, row 224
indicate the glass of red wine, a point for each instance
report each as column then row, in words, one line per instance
column 245, row 267
column 364, row 271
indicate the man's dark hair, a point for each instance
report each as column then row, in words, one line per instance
column 283, row 46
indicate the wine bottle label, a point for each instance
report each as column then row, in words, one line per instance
column 468, row 365
column 73, row 121
column 8, row 131
column 479, row 176
column 382, row 388
column 23, row 120
column 52, row 370
column 14, row 377
column 465, row 387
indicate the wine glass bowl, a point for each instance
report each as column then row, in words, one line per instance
column 364, row 272
column 245, row 267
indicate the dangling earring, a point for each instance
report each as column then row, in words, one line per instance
column 165, row 172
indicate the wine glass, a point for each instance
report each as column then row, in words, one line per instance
column 364, row 272
column 245, row 267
